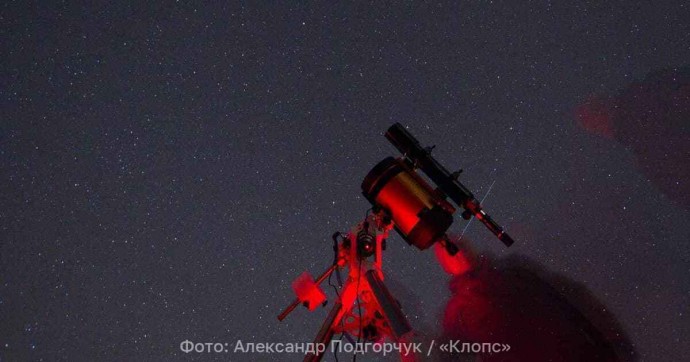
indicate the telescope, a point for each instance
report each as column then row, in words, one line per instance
column 421, row 214
column 402, row 200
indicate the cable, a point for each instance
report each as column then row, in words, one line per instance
column 340, row 283
column 334, row 287
column 359, row 310
column 335, row 261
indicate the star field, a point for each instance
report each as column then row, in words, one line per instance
column 168, row 168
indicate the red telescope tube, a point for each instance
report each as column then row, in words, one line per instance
column 419, row 213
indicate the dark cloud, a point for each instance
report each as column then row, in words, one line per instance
column 542, row 315
column 652, row 119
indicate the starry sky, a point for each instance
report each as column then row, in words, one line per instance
column 168, row 168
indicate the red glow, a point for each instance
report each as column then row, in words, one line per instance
column 452, row 264
column 307, row 291
column 595, row 117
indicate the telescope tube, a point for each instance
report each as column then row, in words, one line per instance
column 420, row 157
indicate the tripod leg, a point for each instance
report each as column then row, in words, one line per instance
column 326, row 332
column 340, row 308
column 389, row 306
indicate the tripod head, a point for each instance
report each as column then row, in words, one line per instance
column 366, row 239
column 365, row 235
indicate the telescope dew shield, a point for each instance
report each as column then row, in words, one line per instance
column 420, row 215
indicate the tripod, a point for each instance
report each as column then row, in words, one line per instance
column 364, row 307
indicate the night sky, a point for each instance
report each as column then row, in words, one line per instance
column 167, row 169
